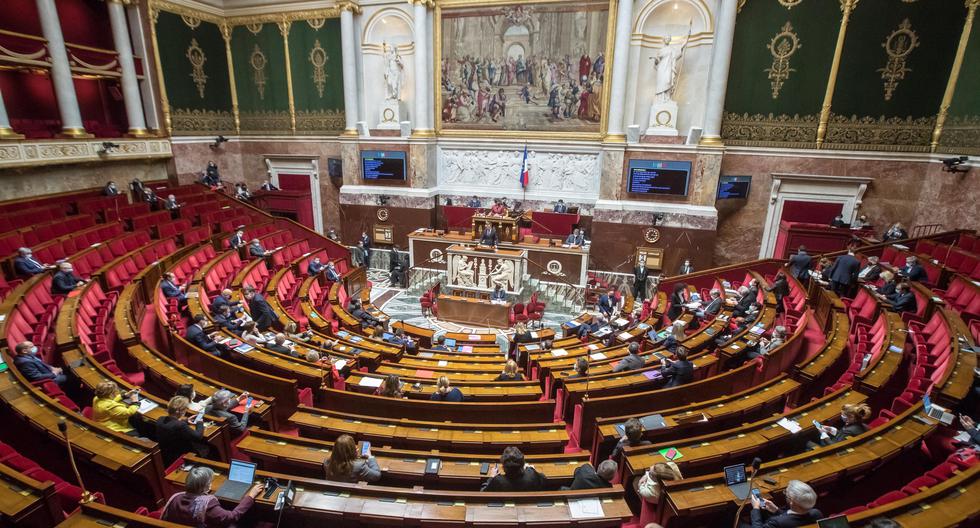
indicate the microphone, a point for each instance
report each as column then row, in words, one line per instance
column 756, row 465
column 86, row 496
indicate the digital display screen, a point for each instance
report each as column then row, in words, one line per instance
column 659, row 177
column 335, row 168
column 735, row 474
column 734, row 187
column 383, row 165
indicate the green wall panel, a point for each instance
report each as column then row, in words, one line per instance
column 260, row 77
column 318, row 81
column 961, row 132
column 194, row 107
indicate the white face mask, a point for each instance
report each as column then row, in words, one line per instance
column 32, row 351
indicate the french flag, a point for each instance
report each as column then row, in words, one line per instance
column 525, row 170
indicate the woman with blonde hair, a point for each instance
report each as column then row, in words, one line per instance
column 446, row 392
column 651, row 484
column 510, row 372
column 115, row 410
column 344, row 465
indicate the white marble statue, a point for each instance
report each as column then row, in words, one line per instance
column 393, row 72
column 668, row 62
column 503, row 275
column 465, row 272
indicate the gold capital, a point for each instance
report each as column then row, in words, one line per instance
column 347, row 5
column 7, row 133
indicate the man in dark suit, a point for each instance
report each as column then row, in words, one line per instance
column 199, row 338
column 224, row 298
column 912, row 270
column 331, row 272
column 224, row 319
column 110, row 189
column 171, row 289
column 838, row 221
column 269, row 186
column 26, row 265
column 560, row 207
column 211, row 176
column 489, row 236
column 238, row 239
column 315, row 267
column 259, row 309
column 843, row 273
column 585, row 329
column 474, row 202
column 279, row 345
column 713, row 306
column 632, row 361
column 256, row 250
column 607, row 303
column 65, row 280
column 800, row 511
column 576, row 238
column 588, row 477
column 34, row 368
column 137, row 188
column 172, row 204
column 677, row 372
column 686, row 268
column 498, row 294
column 799, row 264
column 871, row 270
column 640, row 275
column 517, row 475
column 365, row 244
column 362, row 315
column 903, row 300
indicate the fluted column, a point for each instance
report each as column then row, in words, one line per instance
column 5, row 131
column 617, row 91
column 423, row 112
column 124, row 51
column 64, row 86
column 721, row 59
column 348, row 46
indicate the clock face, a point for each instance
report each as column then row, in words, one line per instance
column 651, row 234
column 383, row 215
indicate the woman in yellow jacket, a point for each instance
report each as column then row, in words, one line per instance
column 117, row 411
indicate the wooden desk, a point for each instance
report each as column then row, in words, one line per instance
column 475, row 312
column 25, row 502
column 500, row 413
column 95, row 515
column 320, row 502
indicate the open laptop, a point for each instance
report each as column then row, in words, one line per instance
column 449, row 342
column 837, row 521
column 736, row 481
column 241, row 476
column 936, row 412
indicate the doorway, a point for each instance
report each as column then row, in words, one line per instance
column 299, row 176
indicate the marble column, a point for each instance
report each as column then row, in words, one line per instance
column 349, row 48
column 617, row 94
column 721, row 58
column 5, row 131
column 124, row 50
column 423, row 113
column 64, row 86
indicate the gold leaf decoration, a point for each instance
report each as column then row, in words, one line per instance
column 190, row 21
column 197, row 58
column 782, row 47
column 254, row 29
column 790, row 4
column 318, row 58
column 894, row 134
column 316, row 23
column 898, row 45
column 770, row 130
column 258, row 63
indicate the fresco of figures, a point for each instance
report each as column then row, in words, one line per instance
column 538, row 67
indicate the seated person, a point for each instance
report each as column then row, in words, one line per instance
column 823, row 276
column 293, row 334
column 33, row 368
column 222, row 402
column 800, row 511
column 713, row 307
column 331, row 272
column 651, row 484
column 116, row 410
column 498, row 294
column 677, row 334
column 359, row 313
column 632, row 361
column 853, row 417
column 251, row 335
column 597, row 322
column 315, row 267
column 199, row 338
column 110, row 189
column 25, row 265
column 150, row 197
column 196, row 506
column 560, row 207
column 588, row 477
column 225, row 319
column 887, row 284
column 171, row 289
column 499, row 208
column 972, row 431
column 764, row 346
column 510, row 372
column 187, row 391
column 903, row 300
column 446, row 392
column 238, row 239
column 224, row 298
column 871, row 270
column 172, row 204
column 632, row 436
column 517, row 475
column 256, row 250
column 912, row 270
column 474, row 202
column 679, row 371
column 267, row 185
column 391, row 387
column 861, row 222
column 178, row 433
column 576, row 238
column 440, row 344
column 607, row 303
column 279, row 345
column 581, row 369
column 895, row 232
column 345, row 464
column 838, row 221
column 65, row 280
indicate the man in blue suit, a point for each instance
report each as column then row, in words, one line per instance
column 912, row 270
column 844, row 272
column 65, row 280
column 576, row 238
column 331, row 272
column 607, row 303
column 171, row 289
column 315, row 267
column 498, row 294
column 474, row 202
column 26, row 265
column 238, row 239
column 560, row 207
column 35, row 369
column 224, row 298
column 259, row 309
column 198, row 337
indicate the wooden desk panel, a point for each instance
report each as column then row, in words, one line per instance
column 25, row 502
column 95, row 515
column 475, row 312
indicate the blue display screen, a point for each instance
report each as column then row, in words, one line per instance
column 734, row 187
column 659, row 177
column 383, row 164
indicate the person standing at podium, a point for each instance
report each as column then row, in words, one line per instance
column 489, row 236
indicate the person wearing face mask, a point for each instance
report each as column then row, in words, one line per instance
column 34, row 368
column 110, row 189
column 26, row 265
column 65, row 280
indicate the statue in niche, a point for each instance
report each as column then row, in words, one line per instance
column 465, row 272
column 393, row 72
column 668, row 64
column 503, row 274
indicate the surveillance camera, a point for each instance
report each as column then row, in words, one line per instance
column 107, row 147
column 953, row 164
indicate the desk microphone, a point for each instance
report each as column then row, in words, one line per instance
column 86, row 496
column 756, row 464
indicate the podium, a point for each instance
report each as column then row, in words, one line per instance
column 507, row 230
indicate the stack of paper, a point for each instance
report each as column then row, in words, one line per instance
column 790, row 425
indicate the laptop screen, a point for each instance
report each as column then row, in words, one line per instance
column 838, row 521
column 241, row 471
column 927, row 402
column 386, row 336
column 449, row 342
column 735, row 474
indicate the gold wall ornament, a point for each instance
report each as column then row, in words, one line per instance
column 893, row 134
column 898, row 45
column 258, row 63
column 254, row 29
column 741, row 4
column 769, row 130
column 782, row 47
column 790, row 4
column 196, row 55
column 651, row 234
column 316, row 23
column 190, row 21
column 318, row 58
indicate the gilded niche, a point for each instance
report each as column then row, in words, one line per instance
column 782, row 47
